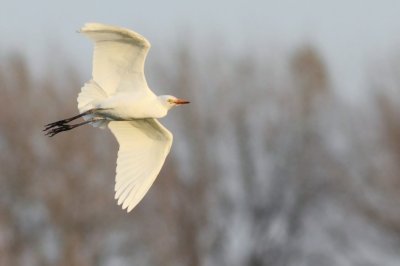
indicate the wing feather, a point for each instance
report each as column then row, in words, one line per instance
column 143, row 146
column 118, row 58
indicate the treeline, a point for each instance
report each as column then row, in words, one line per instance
column 268, row 167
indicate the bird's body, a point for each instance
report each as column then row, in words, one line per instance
column 118, row 97
column 128, row 106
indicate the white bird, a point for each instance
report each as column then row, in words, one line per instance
column 117, row 96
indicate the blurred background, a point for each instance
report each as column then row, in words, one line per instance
column 288, row 154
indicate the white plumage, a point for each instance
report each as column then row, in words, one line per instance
column 144, row 145
column 118, row 97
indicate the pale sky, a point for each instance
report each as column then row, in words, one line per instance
column 349, row 33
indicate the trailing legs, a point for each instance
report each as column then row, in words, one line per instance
column 62, row 125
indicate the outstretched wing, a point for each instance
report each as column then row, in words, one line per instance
column 118, row 59
column 143, row 146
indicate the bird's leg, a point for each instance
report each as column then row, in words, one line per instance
column 67, row 120
column 64, row 127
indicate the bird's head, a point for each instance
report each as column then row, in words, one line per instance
column 171, row 101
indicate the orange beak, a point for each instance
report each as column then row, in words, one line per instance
column 181, row 101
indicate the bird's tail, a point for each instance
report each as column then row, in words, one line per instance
column 91, row 94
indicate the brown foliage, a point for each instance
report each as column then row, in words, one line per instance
column 252, row 161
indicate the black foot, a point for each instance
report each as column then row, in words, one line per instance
column 55, row 124
column 66, row 121
column 60, row 126
column 56, row 128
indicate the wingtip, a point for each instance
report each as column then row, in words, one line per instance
column 127, row 206
column 95, row 26
column 89, row 26
column 86, row 26
column 119, row 202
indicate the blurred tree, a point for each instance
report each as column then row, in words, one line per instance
column 254, row 177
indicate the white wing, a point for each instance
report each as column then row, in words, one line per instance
column 143, row 146
column 118, row 58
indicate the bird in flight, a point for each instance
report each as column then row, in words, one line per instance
column 118, row 97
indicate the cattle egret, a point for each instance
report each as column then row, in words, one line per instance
column 117, row 96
